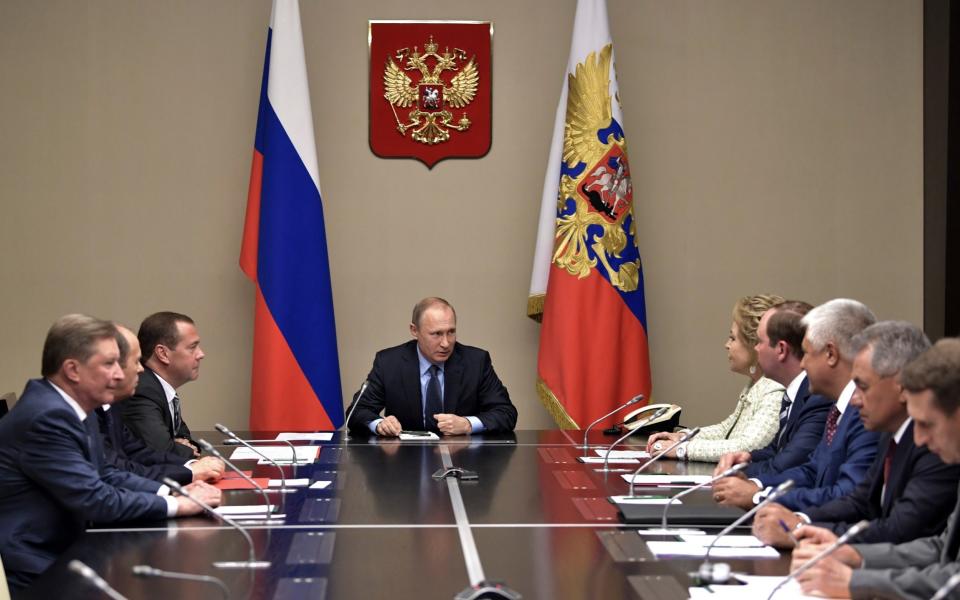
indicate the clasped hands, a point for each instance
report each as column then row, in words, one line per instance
column 447, row 424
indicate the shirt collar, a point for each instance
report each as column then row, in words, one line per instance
column 426, row 364
column 81, row 414
column 168, row 390
column 794, row 386
column 902, row 430
column 844, row 400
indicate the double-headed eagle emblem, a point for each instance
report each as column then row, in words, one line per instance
column 595, row 200
column 430, row 120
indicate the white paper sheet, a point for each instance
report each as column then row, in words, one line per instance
column 727, row 541
column 320, row 485
column 758, row 586
column 640, row 499
column 696, row 550
column 280, row 454
column 670, row 531
column 406, row 437
column 242, row 509
column 598, row 460
column 291, row 483
column 622, row 453
column 320, row 436
column 671, row 480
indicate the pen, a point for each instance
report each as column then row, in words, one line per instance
column 786, row 529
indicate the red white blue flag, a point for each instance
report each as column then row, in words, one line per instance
column 296, row 373
column 587, row 276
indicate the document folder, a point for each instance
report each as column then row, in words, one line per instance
column 680, row 514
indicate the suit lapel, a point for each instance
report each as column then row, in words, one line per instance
column 161, row 398
column 452, row 379
column 803, row 392
column 410, row 380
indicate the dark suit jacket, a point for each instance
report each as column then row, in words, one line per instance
column 801, row 434
column 920, row 495
column 147, row 414
column 126, row 451
column 471, row 388
column 50, row 484
column 832, row 471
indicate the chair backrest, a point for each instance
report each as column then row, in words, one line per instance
column 4, row 590
column 6, row 403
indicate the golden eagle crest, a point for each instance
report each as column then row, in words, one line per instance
column 430, row 121
column 595, row 202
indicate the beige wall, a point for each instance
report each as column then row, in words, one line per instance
column 775, row 145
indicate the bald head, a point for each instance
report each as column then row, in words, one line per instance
column 129, row 362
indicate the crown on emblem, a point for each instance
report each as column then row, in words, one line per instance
column 430, row 46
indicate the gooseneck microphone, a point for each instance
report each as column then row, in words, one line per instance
column 148, row 571
column 686, row 437
column 252, row 563
column 266, row 499
column 947, row 588
column 283, row 479
column 356, row 403
column 94, row 579
column 606, row 458
column 727, row 473
column 707, row 572
column 847, row 535
column 629, row 402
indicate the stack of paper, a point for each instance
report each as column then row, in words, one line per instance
column 280, row 454
column 756, row 587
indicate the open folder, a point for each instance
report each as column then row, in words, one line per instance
column 680, row 514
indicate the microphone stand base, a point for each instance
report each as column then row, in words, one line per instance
column 242, row 564
column 488, row 589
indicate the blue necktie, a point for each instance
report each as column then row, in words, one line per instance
column 434, row 400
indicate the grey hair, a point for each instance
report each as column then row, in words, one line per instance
column 894, row 344
column 837, row 321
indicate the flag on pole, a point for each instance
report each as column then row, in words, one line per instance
column 587, row 283
column 296, row 373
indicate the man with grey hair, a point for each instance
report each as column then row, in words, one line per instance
column 841, row 459
column 908, row 492
column 52, row 477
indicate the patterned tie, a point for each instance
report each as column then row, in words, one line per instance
column 888, row 461
column 784, row 414
column 832, row 419
column 177, row 418
column 434, row 400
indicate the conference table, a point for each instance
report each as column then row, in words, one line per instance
column 535, row 520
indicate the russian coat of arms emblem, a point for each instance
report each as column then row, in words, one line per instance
column 430, row 89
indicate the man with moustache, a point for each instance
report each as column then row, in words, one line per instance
column 908, row 492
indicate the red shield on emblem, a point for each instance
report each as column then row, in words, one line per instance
column 430, row 85
column 607, row 186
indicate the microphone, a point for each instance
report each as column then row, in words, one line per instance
column 853, row 531
column 606, row 459
column 252, row 563
column 727, row 473
column 95, row 580
column 148, row 571
column 209, row 448
column 712, row 573
column 353, row 407
column 283, row 479
column 683, row 439
column 629, row 402
column 947, row 588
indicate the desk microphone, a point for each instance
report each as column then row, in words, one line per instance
column 266, row 499
column 606, row 458
column 686, row 437
column 353, row 407
column 95, row 580
column 629, row 402
column 727, row 473
column 853, row 531
column 720, row 572
column 947, row 588
column 148, row 571
column 283, row 479
column 250, row 564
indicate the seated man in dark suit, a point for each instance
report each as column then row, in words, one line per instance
column 915, row 569
column 52, row 478
column 802, row 414
column 126, row 451
column 908, row 492
column 171, row 357
column 846, row 450
column 433, row 383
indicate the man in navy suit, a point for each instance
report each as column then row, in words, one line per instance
column 171, row 357
column 908, row 492
column 52, row 477
column 803, row 414
column 846, row 450
column 433, row 383
column 126, row 451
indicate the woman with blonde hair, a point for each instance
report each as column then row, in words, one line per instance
column 756, row 418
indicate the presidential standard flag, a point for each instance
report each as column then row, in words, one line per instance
column 587, row 283
column 296, row 374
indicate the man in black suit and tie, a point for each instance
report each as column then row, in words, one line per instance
column 802, row 413
column 53, row 481
column 433, row 383
column 171, row 357
column 915, row 569
column 908, row 491
column 128, row 452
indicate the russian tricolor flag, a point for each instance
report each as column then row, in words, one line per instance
column 296, row 373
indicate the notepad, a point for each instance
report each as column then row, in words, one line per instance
column 668, row 480
column 319, row 436
column 757, row 586
column 598, row 460
column 243, row 509
column 727, row 541
column 291, row 483
column 698, row 550
column 622, row 453
column 280, row 454
column 320, row 485
column 638, row 499
column 237, row 483
column 420, row 436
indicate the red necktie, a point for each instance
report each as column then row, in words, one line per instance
column 832, row 419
